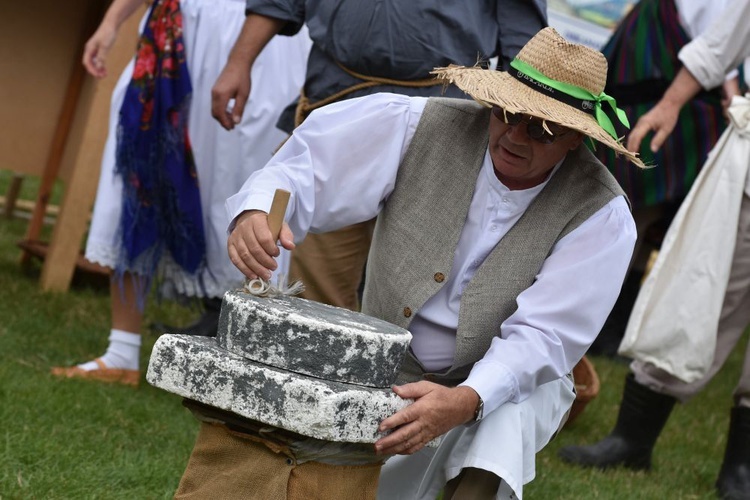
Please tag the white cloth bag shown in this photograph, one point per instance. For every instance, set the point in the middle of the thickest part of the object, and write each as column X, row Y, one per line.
column 674, row 320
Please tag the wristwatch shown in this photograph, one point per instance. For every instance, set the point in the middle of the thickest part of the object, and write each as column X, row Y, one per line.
column 479, row 410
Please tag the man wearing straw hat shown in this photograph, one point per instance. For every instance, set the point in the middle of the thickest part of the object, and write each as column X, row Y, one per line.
column 501, row 244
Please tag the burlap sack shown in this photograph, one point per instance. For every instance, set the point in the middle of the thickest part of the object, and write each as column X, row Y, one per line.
column 226, row 465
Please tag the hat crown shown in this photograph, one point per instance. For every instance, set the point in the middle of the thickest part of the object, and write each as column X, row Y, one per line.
column 558, row 59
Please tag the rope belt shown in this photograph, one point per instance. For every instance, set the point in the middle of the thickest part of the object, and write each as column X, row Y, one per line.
column 305, row 107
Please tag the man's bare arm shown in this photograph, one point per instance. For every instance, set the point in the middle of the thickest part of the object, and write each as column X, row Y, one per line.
column 234, row 80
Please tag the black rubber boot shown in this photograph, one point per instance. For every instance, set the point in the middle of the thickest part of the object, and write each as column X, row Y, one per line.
column 642, row 416
column 207, row 325
column 734, row 477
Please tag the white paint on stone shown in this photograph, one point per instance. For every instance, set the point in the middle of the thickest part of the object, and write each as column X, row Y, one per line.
column 197, row 368
column 312, row 338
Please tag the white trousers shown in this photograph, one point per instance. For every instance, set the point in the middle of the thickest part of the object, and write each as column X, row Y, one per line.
column 505, row 443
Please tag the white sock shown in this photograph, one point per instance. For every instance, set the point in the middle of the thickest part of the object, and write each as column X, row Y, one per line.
column 123, row 352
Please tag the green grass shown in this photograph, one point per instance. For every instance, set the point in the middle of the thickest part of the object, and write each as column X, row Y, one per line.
column 687, row 456
column 77, row 439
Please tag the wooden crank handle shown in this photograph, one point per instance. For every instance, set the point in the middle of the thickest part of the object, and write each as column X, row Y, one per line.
column 278, row 209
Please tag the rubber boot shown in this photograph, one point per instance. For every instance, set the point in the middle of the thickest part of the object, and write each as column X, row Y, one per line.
column 734, row 477
column 642, row 416
column 207, row 325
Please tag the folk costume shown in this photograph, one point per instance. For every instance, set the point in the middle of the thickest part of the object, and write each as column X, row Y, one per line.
column 479, row 273
column 176, row 228
column 362, row 47
column 642, row 57
column 663, row 372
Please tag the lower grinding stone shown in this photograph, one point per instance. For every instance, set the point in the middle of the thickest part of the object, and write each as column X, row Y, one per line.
column 197, row 368
column 312, row 338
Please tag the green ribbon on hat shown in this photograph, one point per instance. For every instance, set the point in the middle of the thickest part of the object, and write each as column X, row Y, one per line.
column 548, row 87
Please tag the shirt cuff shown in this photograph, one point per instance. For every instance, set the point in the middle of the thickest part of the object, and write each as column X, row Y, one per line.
column 247, row 200
column 702, row 63
column 494, row 383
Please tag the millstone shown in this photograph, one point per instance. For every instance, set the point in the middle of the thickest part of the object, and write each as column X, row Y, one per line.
column 311, row 338
column 198, row 368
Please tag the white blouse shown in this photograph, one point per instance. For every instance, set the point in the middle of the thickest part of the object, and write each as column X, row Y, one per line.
column 340, row 167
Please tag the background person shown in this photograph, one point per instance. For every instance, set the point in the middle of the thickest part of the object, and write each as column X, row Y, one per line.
column 174, row 223
column 642, row 57
column 650, row 392
column 359, row 48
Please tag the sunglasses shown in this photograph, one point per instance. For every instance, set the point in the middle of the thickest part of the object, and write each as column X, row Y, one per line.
column 534, row 127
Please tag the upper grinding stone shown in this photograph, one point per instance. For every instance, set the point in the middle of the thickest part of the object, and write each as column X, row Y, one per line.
column 311, row 338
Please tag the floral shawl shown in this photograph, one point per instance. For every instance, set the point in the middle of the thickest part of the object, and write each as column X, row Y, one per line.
column 161, row 203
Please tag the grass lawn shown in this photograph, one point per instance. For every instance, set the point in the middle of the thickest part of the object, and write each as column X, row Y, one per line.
column 77, row 439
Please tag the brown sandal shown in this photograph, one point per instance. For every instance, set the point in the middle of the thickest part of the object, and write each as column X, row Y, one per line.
column 102, row 374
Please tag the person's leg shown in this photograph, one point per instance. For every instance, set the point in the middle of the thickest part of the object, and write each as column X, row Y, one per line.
column 472, row 483
column 734, row 477
column 650, row 392
column 120, row 363
column 126, row 313
column 503, row 446
column 643, row 413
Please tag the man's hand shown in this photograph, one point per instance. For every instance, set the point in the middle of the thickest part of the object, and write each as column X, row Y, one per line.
column 661, row 120
column 663, row 117
column 435, row 411
column 251, row 246
column 233, row 83
column 234, row 80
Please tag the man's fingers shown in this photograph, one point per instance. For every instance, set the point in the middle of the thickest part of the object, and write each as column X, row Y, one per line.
column 220, row 113
column 219, row 101
column 239, row 263
column 264, row 247
column 239, row 106
column 286, row 237
column 251, row 246
column 659, row 137
column 407, row 439
column 414, row 390
column 397, row 419
column 636, row 136
column 92, row 60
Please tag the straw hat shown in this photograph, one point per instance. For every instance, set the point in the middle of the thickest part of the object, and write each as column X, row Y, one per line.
column 551, row 79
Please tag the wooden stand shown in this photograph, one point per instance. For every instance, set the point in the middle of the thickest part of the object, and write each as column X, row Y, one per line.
column 56, row 118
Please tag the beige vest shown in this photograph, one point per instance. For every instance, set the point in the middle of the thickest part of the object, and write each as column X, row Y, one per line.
column 418, row 230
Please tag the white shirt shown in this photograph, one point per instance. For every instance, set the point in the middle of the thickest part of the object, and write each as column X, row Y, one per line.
column 721, row 46
column 696, row 15
column 340, row 167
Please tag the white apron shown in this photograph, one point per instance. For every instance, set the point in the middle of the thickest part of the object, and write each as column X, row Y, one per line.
column 224, row 159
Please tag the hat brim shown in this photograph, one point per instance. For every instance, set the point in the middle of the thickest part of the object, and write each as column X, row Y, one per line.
column 499, row 88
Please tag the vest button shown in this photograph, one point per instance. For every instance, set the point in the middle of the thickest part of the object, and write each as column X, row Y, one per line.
column 407, row 312
column 439, row 277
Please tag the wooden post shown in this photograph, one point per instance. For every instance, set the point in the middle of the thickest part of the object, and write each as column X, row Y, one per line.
column 11, row 197
column 62, row 130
